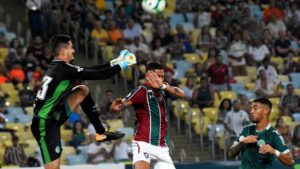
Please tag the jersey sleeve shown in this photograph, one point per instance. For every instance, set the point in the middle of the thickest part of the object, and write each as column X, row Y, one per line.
column 77, row 72
column 137, row 96
column 279, row 143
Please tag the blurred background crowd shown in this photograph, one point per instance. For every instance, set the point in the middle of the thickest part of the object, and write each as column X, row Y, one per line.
column 222, row 53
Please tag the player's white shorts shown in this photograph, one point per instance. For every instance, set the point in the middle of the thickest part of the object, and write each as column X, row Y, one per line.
column 158, row 156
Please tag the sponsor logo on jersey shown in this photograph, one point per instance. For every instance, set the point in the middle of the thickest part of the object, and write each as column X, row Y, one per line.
column 57, row 149
column 79, row 69
column 280, row 137
column 146, row 155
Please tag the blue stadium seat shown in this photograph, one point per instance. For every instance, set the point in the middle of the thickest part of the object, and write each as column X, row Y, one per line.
column 10, row 36
column 176, row 19
column 181, row 67
column 15, row 110
column 237, row 87
column 76, row 159
column 82, row 150
column 296, row 117
column 250, row 94
column 295, row 77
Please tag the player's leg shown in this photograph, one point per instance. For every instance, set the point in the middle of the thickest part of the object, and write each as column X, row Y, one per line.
column 47, row 134
column 141, row 158
column 164, row 160
column 81, row 96
column 53, row 165
column 141, row 165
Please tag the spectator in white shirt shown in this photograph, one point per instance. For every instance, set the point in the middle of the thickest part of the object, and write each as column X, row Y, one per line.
column 132, row 30
column 202, row 17
column 137, row 45
column 235, row 119
column 269, row 69
column 120, row 150
column 275, row 25
column 258, row 51
column 267, row 86
column 99, row 152
column 237, row 51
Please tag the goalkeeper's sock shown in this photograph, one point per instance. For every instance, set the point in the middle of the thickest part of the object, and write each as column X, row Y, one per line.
column 89, row 108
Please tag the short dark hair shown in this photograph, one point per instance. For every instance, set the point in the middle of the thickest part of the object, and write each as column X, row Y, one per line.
column 264, row 101
column 57, row 42
column 154, row 66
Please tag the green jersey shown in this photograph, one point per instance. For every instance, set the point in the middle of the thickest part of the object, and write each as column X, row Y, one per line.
column 251, row 158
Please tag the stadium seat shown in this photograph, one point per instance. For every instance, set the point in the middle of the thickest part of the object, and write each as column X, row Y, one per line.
column 219, row 131
column 176, row 18
column 228, row 94
column 242, row 79
column 251, row 71
column 29, row 110
column 275, row 113
column 287, row 120
column 192, row 57
column 296, row 117
column 201, row 124
column 237, row 87
column 5, row 136
column 250, row 86
column 129, row 132
column 297, row 91
column 194, row 36
column 211, row 113
column 83, row 150
column 66, row 151
column 295, row 77
column 278, row 61
column 283, row 78
column 182, row 80
column 65, row 135
column 108, row 52
column 181, row 67
column 76, row 159
column 192, row 115
column 115, row 124
column 275, row 101
column 249, row 94
column 18, row 127
column 182, row 108
column 15, row 110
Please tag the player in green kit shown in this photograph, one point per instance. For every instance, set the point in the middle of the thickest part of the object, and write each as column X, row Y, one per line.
column 259, row 142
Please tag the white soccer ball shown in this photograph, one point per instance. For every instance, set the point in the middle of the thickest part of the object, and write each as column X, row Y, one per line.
column 154, row 6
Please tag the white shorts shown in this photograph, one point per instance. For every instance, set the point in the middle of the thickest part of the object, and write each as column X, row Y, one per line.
column 158, row 157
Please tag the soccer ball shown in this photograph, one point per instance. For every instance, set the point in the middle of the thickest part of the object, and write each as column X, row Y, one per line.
column 154, row 6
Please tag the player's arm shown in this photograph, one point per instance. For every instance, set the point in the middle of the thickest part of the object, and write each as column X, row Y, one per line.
column 120, row 104
column 279, row 149
column 237, row 146
column 173, row 90
column 99, row 67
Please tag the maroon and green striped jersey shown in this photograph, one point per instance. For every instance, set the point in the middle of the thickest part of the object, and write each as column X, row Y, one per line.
column 151, row 115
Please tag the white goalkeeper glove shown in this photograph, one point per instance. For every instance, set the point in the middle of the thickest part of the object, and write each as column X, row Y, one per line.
column 125, row 59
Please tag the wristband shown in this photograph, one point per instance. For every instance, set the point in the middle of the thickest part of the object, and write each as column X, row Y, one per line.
column 241, row 138
column 163, row 87
column 277, row 153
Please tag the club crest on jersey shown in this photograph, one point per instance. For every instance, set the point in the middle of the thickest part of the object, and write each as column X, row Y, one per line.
column 146, row 155
column 79, row 69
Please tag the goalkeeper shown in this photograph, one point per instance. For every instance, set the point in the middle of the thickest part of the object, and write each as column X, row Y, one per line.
column 58, row 96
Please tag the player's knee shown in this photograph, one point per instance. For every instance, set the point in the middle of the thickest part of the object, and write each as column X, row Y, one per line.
column 83, row 90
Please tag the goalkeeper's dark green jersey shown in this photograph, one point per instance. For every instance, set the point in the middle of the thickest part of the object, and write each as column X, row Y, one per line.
column 251, row 158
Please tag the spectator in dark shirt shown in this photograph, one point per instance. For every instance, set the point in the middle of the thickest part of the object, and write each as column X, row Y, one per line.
column 15, row 155
column 218, row 73
column 282, row 45
column 290, row 100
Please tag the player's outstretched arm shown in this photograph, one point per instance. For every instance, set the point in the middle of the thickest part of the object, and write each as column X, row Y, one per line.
column 236, row 148
column 173, row 90
column 120, row 104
